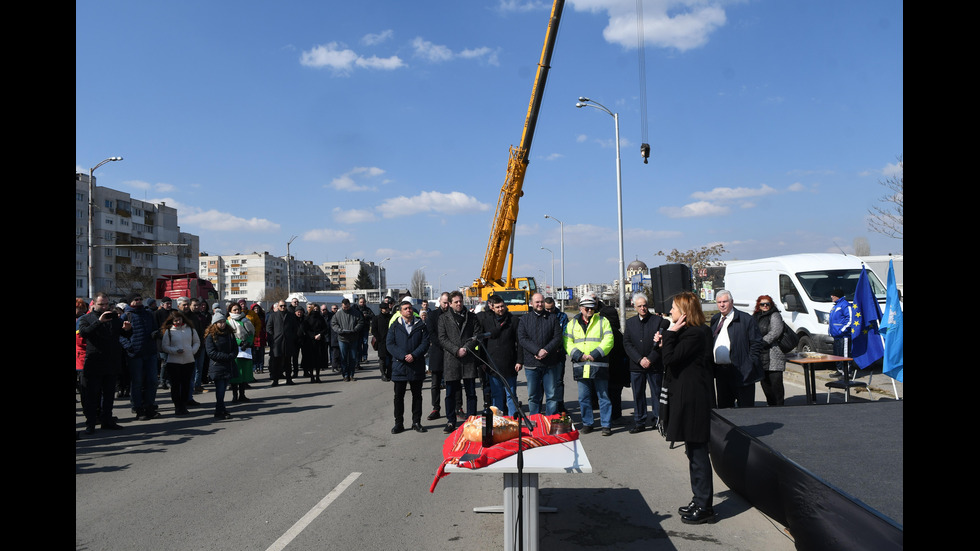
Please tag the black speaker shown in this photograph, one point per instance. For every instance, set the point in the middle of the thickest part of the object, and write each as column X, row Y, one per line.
column 666, row 281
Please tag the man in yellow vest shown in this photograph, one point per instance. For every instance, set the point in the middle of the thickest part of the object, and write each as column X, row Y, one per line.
column 588, row 341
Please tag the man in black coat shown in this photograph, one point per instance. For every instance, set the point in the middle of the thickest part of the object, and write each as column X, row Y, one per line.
column 501, row 351
column 101, row 329
column 737, row 345
column 645, row 363
column 379, row 330
column 282, row 328
column 436, row 359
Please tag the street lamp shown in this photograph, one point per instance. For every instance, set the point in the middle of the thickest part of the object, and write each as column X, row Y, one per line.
column 91, row 224
column 561, row 228
column 379, row 276
column 586, row 102
column 289, row 263
column 552, row 267
column 440, row 282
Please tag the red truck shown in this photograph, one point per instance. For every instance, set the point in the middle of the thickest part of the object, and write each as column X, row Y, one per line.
column 186, row 285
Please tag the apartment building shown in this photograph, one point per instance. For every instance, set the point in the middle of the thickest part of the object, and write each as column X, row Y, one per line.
column 343, row 273
column 254, row 276
column 133, row 242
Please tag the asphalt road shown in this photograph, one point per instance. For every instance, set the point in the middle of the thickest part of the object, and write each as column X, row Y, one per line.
column 315, row 466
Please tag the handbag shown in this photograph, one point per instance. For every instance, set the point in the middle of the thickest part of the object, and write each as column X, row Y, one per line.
column 789, row 340
column 590, row 370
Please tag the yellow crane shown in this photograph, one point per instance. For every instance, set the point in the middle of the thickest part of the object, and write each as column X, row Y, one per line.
column 516, row 292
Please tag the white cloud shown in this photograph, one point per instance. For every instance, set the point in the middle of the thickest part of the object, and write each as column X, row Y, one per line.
column 431, row 201
column 351, row 180
column 437, row 53
column 678, row 24
column 377, row 38
column 733, row 194
column 353, row 216
column 343, row 60
column 215, row 220
column 326, row 235
column 147, row 186
column 696, row 209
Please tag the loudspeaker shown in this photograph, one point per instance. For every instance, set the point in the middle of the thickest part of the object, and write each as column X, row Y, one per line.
column 666, row 281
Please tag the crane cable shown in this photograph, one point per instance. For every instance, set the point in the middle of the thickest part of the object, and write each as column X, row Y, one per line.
column 641, row 54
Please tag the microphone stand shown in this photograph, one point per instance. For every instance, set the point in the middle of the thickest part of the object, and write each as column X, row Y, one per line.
column 521, row 417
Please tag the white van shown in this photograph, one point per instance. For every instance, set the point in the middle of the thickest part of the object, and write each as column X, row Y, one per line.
column 801, row 285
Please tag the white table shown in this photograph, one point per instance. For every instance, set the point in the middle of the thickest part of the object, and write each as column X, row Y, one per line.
column 568, row 457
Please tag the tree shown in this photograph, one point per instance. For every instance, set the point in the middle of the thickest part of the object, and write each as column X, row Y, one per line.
column 696, row 259
column 363, row 280
column 887, row 217
column 417, row 286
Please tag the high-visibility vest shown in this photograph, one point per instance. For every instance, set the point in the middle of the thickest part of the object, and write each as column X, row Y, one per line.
column 597, row 336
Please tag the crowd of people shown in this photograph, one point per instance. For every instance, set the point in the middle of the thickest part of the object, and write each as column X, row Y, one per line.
column 678, row 366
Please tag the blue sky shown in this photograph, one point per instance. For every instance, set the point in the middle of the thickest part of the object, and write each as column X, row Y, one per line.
column 381, row 129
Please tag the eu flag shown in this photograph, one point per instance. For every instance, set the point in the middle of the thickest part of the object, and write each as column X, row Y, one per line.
column 891, row 327
column 867, row 347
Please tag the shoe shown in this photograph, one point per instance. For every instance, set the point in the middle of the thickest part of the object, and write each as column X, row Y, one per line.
column 244, row 398
column 111, row 426
column 449, row 428
column 275, row 383
column 606, row 431
column 397, row 429
column 638, row 428
column 192, row 403
column 289, row 382
column 687, row 509
column 222, row 415
column 586, row 429
column 699, row 515
column 181, row 411
column 417, row 427
column 836, row 375
column 434, row 415
column 89, row 429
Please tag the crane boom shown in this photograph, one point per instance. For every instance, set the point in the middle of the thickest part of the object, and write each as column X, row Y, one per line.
column 500, row 248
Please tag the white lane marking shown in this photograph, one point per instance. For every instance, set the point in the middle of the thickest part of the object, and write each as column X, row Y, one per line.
column 302, row 523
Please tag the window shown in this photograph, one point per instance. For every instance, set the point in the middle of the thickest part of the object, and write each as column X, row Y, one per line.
column 108, row 204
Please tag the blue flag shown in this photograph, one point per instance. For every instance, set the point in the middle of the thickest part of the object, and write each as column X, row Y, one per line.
column 891, row 328
column 867, row 347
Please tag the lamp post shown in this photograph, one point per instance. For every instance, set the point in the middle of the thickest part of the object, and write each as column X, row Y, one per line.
column 440, row 282
column 91, row 225
column 379, row 276
column 289, row 267
column 552, row 267
column 586, row 102
column 562, row 254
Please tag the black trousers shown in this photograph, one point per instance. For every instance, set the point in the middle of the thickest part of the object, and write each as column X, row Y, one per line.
column 180, row 382
column 772, row 387
column 279, row 368
column 416, row 387
column 730, row 391
column 702, row 484
column 98, row 397
column 436, row 390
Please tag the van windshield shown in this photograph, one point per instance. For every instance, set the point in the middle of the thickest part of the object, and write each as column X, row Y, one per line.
column 819, row 284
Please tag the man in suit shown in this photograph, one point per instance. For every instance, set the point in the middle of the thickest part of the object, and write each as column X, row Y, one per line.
column 737, row 345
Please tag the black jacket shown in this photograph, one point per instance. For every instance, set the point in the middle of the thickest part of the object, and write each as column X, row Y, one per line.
column 746, row 344
column 537, row 331
column 638, row 341
column 501, row 346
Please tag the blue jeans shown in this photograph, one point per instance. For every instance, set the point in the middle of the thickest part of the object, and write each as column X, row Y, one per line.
column 500, row 396
column 542, row 380
column 220, row 387
column 639, row 380
column 143, row 381
column 348, row 358
column 196, row 378
column 599, row 387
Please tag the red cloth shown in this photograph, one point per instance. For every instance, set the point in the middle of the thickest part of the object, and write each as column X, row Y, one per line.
column 459, row 451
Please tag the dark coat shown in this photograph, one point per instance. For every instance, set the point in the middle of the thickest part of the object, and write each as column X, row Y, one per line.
column 142, row 340
column 501, row 346
column 379, row 329
column 400, row 343
column 436, row 359
column 282, row 329
column 103, row 350
column 689, row 379
column 638, row 342
column 222, row 349
column 537, row 331
column 452, row 337
column 746, row 343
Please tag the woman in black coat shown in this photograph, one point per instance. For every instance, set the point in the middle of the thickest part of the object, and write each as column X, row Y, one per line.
column 222, row 349
column 315, row 332
column 687, row 356
column 619, row 371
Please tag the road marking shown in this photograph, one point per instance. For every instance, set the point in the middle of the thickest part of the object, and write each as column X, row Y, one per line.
column 302, row 523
